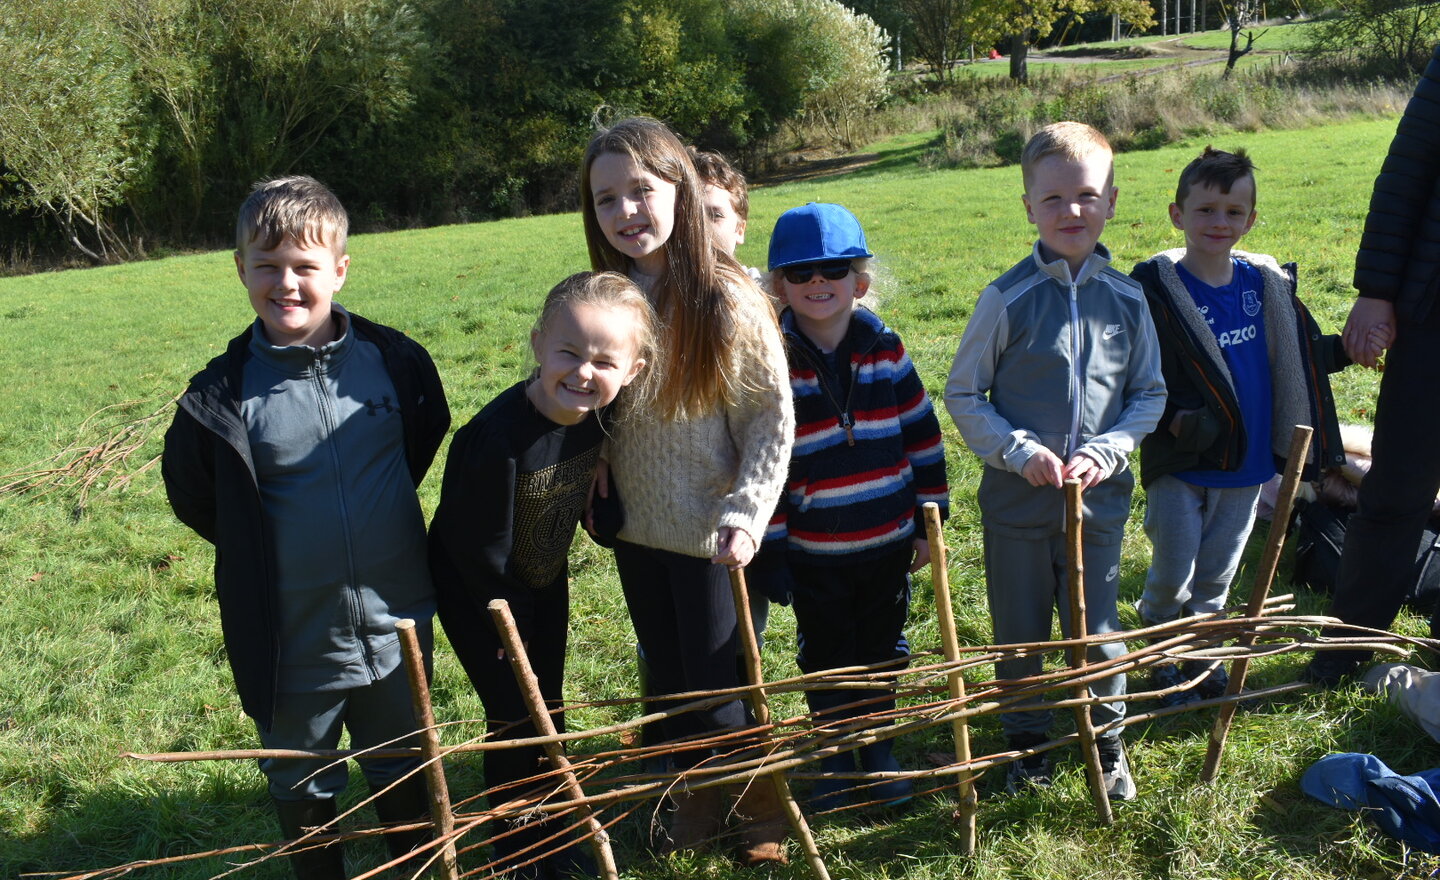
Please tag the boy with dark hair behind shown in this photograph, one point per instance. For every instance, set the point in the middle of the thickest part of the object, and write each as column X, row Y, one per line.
column 297, row 453
column 1058, row 377
column 1244, row 363
column 727, row 198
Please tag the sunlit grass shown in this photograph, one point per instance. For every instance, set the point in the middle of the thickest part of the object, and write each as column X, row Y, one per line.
column 112, row 638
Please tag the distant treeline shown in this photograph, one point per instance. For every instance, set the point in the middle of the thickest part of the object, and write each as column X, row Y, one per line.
column 135, row 124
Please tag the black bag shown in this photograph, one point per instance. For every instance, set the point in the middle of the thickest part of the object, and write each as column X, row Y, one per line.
column 1319, row 531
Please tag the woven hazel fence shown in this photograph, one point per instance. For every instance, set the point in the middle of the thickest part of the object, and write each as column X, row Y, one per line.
column 612, row 786
column 586, row 791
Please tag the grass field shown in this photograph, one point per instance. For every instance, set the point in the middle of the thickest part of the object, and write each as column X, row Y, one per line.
column 111, row 638
column 1165, row 51
column 1277, row 38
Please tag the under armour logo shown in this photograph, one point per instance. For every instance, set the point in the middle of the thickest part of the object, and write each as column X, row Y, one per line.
column 374, row 408
column 1111, row 331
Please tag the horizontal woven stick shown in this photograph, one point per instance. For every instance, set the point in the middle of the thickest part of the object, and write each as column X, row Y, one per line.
column 1375, row 640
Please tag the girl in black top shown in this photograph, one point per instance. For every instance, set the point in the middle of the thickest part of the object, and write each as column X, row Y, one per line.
column 515, row 487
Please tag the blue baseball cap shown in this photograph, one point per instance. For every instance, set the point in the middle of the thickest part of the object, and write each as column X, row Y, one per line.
column 814, row 233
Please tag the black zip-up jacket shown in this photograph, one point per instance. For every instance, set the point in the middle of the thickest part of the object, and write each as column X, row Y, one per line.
column 210, row 481
column 1197, row 379
column 1399, row 256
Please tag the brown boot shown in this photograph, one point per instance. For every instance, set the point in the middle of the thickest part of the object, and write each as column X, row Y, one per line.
column 762, row 836
column 698, row 818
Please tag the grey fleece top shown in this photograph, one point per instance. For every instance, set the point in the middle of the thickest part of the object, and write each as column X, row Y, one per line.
column 1071, row 364
column 340, row 508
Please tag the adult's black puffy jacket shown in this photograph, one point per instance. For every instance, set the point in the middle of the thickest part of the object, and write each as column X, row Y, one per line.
column 1399, row 257
column 210, row 481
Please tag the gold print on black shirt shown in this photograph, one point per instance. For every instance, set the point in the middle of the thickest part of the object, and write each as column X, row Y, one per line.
column 548, row 504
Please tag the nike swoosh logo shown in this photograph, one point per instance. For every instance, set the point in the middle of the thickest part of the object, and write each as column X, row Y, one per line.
column 1112, row 331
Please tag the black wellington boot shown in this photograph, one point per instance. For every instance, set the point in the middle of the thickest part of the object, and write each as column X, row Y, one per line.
column 829, row 707
column 296, row 819
column 404, row 803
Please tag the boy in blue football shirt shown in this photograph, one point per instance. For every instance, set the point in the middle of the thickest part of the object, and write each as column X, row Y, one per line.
column 1244, row 363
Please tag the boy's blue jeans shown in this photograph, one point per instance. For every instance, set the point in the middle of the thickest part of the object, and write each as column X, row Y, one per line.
column 1198, row 535
column 1026, row 580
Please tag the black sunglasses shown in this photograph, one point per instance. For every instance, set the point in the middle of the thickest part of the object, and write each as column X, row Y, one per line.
column 830, row 270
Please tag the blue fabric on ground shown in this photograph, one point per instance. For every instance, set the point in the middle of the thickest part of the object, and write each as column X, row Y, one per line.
column 1404, row 807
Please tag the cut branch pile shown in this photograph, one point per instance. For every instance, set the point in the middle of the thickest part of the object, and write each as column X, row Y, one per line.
column 100, row 458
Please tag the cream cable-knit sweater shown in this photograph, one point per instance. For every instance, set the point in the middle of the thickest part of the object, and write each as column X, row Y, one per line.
column 681, row 481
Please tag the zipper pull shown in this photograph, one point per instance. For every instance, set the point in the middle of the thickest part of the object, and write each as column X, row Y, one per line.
column 845, row 423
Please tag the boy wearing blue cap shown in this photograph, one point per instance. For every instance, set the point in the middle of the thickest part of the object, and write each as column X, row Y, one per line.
column 867, row 455
column 1058, row 377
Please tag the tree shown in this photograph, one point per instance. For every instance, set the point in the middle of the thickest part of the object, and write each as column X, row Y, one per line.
column 337, row 58
column 938, row 31
column 812, row 59
column 1026, row 21
column 1237, row 15
column 170, row 45
column 1396, row 35
column 70, row 143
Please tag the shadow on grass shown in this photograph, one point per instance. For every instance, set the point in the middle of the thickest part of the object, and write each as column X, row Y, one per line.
column 112, row 827
column 855, row 165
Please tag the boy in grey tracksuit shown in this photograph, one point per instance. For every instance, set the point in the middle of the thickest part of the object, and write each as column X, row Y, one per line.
column 297, row 453
column 1057, row 377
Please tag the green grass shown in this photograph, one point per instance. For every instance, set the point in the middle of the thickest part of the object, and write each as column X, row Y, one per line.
column 1268, row 38
column 1041, row 67
column 1278, row 38
column 112, row 639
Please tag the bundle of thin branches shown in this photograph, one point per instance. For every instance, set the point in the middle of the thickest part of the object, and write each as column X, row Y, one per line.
column 98, row 460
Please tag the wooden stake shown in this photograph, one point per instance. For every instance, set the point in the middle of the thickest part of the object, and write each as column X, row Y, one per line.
column 540, row 717
column 440, row 812
column 1074, row 547
column 960, row 727
column 1264, row 577
column 751, row 648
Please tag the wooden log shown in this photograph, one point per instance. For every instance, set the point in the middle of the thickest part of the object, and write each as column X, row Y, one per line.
column 540, row 717
column 960, row 727
column 440, row 812
column 1074, row 551
column 1264, row 577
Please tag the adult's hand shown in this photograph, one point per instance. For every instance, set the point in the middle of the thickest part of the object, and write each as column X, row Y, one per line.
column 1369, row 330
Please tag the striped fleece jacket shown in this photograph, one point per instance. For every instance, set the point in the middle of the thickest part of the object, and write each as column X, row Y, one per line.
column 867, row 449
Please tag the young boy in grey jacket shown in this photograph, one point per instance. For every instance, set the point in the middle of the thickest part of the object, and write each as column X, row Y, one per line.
column 1058, row 377
column 297, row 453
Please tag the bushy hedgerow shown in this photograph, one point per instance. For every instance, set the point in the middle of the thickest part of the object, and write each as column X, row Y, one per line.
column 414, row 111
column 991, row 119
